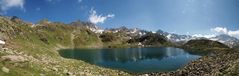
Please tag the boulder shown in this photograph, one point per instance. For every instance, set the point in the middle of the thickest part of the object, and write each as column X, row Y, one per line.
column 54, row 69
column 70, row 74
column 13, row 58
column 2, row 42
column 42, row 75
column 4, row 69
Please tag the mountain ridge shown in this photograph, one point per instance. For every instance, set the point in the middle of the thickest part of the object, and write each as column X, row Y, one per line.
column 172, row 37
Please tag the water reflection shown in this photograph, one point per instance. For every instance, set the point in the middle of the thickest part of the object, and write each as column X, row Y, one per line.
column 134, row 59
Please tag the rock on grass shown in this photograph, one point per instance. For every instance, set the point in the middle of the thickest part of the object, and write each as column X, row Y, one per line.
column 6, row 70
column 13, row 58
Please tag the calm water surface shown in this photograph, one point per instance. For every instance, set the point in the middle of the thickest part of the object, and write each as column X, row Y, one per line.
column 134, row 60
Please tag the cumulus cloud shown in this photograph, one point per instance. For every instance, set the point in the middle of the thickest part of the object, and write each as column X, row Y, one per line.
column 94, row 18
column 7, row 4
column 226, row 31
column 220, row 30
column 234, row 33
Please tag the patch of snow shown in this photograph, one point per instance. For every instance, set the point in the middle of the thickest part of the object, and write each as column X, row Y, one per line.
column 169, row 36
column 153, row 32
column 115, row 31
column 97, row 30
column 139, row 44
column 2, row 42
column 144, row 33
column 134, row 30
column 205, row 36
column 213, row 39
column 33, row 25
column 140, row 33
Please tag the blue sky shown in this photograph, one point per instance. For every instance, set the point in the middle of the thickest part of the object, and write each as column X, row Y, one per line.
column 205, row 17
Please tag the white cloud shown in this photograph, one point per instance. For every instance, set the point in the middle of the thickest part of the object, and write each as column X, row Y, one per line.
column 94, row 18
column 226, row 31
column 234, row 33
column 7, row 4
column 220, row 30
column 205, row 36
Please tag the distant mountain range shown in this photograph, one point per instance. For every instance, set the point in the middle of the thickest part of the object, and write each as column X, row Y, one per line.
column 227, row 40
column 137, row 33
column 175, row 38
column 223, row 38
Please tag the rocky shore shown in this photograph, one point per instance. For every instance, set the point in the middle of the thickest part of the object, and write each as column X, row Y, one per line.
column 219, row 63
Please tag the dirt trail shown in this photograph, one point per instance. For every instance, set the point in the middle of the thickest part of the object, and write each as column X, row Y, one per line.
column 72, row 39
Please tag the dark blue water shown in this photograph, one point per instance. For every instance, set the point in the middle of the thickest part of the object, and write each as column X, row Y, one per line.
column 134, row 60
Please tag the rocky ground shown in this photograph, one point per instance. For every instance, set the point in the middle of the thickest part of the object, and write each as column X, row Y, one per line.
column 216, row 64
column 17, row 63
column 219, row 63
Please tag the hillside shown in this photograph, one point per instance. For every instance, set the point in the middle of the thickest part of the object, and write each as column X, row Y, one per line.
column 32, row 49
column 150, row 39
column 29, row 47
column 220, row 63
column 204, row 44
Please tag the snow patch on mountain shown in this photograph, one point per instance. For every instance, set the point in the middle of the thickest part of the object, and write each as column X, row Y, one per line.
column 95, row 29
column 169, row 36
column 204, row 36
column 226, row 39
column 128, row 31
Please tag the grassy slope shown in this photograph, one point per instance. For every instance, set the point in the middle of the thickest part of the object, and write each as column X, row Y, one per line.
column 39, row 46
column 204, row 45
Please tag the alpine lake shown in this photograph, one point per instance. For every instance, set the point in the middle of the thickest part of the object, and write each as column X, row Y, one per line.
column 135, row 60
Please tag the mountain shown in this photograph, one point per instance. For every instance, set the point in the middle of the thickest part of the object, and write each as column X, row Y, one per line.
column 150, row 38
column 227, row 40
column 37, row 45
column 175, row 38
column 204, row 44
column 130, row 32
column 131, row 37
column 87, row 25
column 230, row 41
